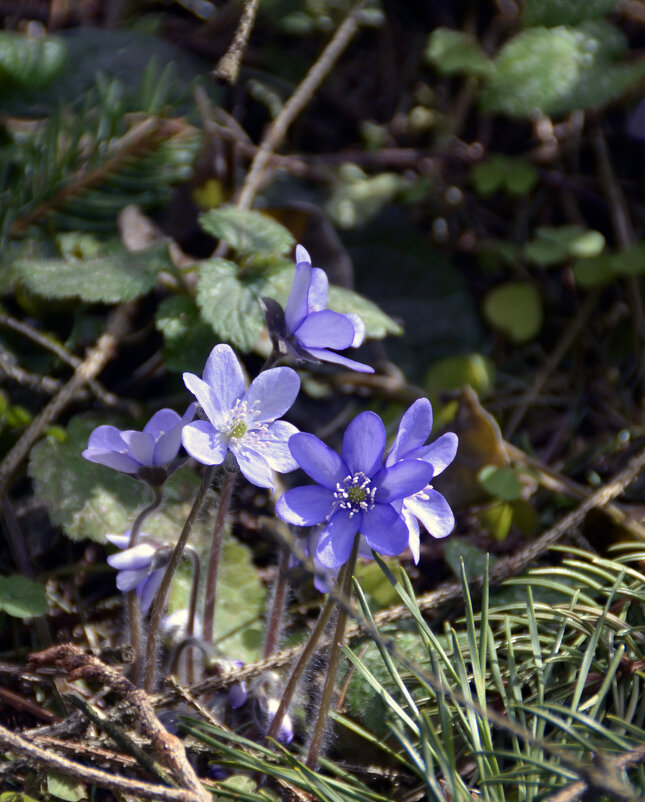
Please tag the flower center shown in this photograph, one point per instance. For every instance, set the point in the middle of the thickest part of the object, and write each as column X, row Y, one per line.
column 355, row 493
column 238, row 428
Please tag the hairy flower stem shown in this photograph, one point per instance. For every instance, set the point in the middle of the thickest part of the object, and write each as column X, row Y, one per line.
column 345, row 585
column 277, row 606
column 134, row 608
column 303, row 661
column 160, row 599
column 225, row 496
column 192, row 609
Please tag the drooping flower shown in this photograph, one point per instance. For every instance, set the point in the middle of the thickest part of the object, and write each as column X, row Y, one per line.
column 244, row 422
column 149, row 455
column 354, row 492
column 305, row 330
column 141, row 567
column 426, row 505
column 267, row 693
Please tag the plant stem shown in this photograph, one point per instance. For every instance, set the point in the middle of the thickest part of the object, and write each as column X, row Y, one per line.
column 192, row 608
column 345, row 584
column 134, row 608
column 225, row 496
column 160, row 599
column 277, row 606
column 303, row 660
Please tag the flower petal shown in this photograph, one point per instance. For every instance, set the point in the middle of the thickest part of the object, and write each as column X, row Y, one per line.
column 276, row 446
column 206, row 397
column 120, row 541
column 337, row 539
column 317, row 460
column 325, row 329
column 363, row 444
column 302, row 255
column 305, row 506
column 161, row 422
column 359, row 328
column 147, row 590
column 253, row 465
column 106, row 438
column 440, row 453
column 318, row 290
column 224, row 375
column 140, row 556
column 434, row 513
column 140, row 445
column 204, row 442
column 323, row 355
column 401, row 480
column 128, row 580
column 414, row 430
column 112, row 459
column 296, row 309
column 385, row 530
column 414, row 543
column 272, row 393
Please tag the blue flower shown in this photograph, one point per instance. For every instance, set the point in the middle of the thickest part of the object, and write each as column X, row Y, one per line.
column 426, row 505
column 141, row 567
column 354, row 493
column 305, row 330
column 149, row 454
column 242, row 421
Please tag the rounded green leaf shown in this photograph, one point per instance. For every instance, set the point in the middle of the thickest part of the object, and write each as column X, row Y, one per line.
column 515, row 308
column 453, row 52
column 455, row 372
column 21, row 597
column 502, row 483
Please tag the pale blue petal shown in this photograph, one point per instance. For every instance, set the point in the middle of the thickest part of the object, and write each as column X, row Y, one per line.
column 305, row 506
column 272, row 393
column 359, row 328
column 275, row 448
column 296, row 308
column 318, row 460
column 121, row 541
column 434, row 513
column 237, row 695
column 318, row 290
column 414, row 543
column 140, row 445
column 440, row 453
column 128, row 580
column 325, row 329
column 111, row 459
column 140, row 556
column 401, row 480
column 224, row 375
column 147, row 590
column 363, row 444
column 414, row 430
column 385, row 530
column 253, row 465
column 161, row 423
column 302, row 255
column 204, row 443
column 337, row 539
column 106, row 438
column 206, row 397
column 323, row 355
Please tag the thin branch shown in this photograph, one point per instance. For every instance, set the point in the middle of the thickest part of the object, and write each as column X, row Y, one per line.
column 88, row 369
column 276, row 132
column 229, row 65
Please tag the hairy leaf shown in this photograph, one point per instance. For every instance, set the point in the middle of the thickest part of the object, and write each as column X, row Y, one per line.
column 187, row 338
column 248, row 232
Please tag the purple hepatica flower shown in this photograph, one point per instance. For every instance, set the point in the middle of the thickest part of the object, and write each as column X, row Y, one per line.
column 240, row 420
column 426, row 505
column 149, row 455
column 141, row 567
column 305, row 329
column 354, row 492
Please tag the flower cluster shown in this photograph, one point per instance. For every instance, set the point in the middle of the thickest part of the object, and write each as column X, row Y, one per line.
column 360, row 493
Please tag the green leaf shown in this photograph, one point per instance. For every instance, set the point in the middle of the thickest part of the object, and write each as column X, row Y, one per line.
column 16, row 796
column 500, row 482
column 610, row 266
column 30, row 63
column 358, row 197
column 66, row 788
column 474, row 559
column 553, row 245
column 377, row 323
column 455, row 372
column 21, row 597
column 516, row 309
column 558, row 70
column 248, row 232
column 496, row 518
column 515, row 176
column 89, row 500
column 453, row 52
column 564, row 12
column 187, row 338
column 115, row 276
